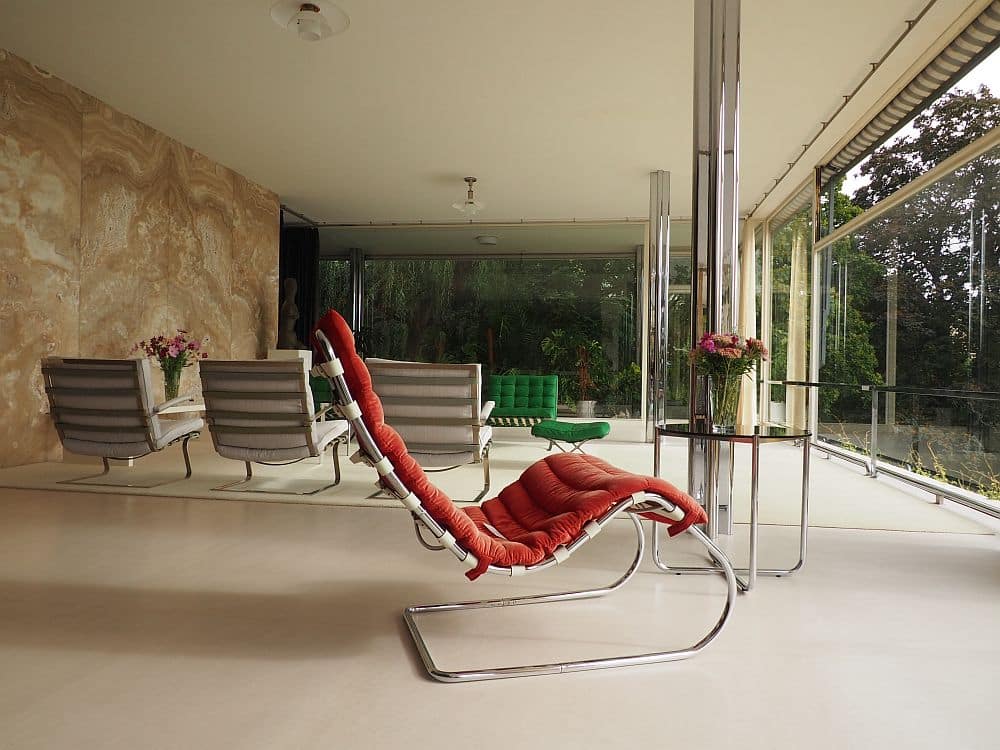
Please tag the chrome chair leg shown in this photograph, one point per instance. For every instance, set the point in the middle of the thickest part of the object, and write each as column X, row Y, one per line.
column 235, row 485
column 486, row 475
column 106, row 461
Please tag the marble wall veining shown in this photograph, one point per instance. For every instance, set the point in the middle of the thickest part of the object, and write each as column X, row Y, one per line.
column 111, row 232
column 40, row 118
column 254, row 309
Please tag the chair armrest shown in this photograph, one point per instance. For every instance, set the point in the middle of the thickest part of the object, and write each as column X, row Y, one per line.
column 487, row 409
column 322, row 412
column 173, row 402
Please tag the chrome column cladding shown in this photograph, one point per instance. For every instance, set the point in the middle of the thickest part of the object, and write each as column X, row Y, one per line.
column 357, row 289
column 658, row 274
column 714, row 237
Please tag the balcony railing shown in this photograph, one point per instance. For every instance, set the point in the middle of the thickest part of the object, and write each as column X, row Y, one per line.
column 946, row 441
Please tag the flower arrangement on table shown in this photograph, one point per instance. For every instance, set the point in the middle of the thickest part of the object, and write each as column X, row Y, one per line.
column 726, row 358
column 174, row 353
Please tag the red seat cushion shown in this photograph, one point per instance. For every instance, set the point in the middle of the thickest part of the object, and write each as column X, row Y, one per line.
column 547, row 506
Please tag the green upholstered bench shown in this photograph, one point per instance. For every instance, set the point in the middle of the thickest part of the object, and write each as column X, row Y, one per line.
column 575, row 433
column 523, row 400
column 321, row 391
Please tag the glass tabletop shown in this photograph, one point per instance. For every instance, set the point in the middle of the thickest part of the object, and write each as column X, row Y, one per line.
column 742, row 432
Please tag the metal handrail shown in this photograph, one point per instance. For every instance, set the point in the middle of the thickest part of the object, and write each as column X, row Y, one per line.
column 906, row 389
column 871, row 465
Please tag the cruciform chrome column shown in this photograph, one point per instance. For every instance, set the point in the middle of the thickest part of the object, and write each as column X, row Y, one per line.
column 657, row 266
column 714, row 218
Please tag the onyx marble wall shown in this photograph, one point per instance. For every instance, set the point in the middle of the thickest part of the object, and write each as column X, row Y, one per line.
column 40, row 118
column 111, row 232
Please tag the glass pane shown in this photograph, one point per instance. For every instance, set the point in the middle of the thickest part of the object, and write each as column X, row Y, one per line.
column 791, row 250
column 967, row 111
column 952, row 440
column 335, row 286
column 575, row 317
column 678, row 336
column 911, row 300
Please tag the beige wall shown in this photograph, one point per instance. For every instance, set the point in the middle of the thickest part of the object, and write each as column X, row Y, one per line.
column 111, row 232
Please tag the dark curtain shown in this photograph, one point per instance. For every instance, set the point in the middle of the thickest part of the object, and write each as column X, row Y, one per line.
column 299, row 259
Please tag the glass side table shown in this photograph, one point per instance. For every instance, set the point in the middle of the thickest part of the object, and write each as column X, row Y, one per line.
column 754, row 438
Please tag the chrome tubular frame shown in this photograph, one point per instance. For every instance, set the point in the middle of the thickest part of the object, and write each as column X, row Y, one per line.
column 443, row 539
column 107, row 468
column 496, row 673
column 235, row 485
column 751, row 572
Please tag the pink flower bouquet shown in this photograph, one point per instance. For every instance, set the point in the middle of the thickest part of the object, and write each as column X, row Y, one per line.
column 173, row 354
column 726, row 358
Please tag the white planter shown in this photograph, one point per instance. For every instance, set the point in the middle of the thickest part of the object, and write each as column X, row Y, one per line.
column 585, row 409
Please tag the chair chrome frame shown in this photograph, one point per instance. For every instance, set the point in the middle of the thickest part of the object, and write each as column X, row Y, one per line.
column 334, row 445
column 83, row 481
column 577, row 445
column 298, row 423
column 67, row 419
column 381, row 371
column 639, row 503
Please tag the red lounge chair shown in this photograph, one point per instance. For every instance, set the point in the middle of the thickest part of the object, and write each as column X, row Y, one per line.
column 558, row 504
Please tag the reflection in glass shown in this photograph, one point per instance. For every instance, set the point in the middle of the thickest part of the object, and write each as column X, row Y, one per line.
column 911, row 300
column 518, row 315
column 791, row 249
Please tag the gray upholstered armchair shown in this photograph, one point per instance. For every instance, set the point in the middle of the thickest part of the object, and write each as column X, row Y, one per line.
column 262, row 412
column 436, row 409
column 106, row 408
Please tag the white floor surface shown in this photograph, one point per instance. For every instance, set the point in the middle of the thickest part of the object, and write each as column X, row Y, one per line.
column 150, row 622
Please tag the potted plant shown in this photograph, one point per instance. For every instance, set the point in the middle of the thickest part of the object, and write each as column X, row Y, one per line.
column 628, row 388
column 577, row 352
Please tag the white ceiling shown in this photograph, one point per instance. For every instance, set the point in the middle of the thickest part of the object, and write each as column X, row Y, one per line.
column 511, row 239
column 560, row 108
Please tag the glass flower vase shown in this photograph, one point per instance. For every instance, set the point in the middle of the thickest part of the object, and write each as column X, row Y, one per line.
column 725, row 394
column 171, row 379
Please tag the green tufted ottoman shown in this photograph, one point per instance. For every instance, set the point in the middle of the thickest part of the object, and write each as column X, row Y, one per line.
column 575, row 433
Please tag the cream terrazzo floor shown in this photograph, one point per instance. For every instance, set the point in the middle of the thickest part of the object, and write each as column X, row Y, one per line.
column 161, row 623
column 841, row 496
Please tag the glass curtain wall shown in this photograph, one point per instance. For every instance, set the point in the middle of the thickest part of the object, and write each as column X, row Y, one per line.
column 912, row 301
column 965, row 112
column 335, row 286
column 678, row 335
column 572, row 316
column 791, row 254
column 907, row 304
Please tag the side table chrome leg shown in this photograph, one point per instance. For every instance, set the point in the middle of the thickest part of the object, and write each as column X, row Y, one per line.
column 752, row 571
column 754, row 495
column 656, row 453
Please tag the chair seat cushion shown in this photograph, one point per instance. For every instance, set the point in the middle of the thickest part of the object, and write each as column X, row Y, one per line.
column 547, row 506
column 555, row 498
column 178, row 428
column 570, row 432
column 526, row 411
column 325, row 433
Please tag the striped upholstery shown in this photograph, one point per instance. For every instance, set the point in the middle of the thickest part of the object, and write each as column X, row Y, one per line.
column 263, row 410
column 105, row 407
column 435, row 408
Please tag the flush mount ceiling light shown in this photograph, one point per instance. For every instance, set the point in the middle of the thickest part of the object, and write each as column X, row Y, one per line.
column 470, row 206
column 310, row 21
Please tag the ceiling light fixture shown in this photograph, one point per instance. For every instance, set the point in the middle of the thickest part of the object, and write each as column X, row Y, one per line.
column 311, row 21
column 470, row 206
